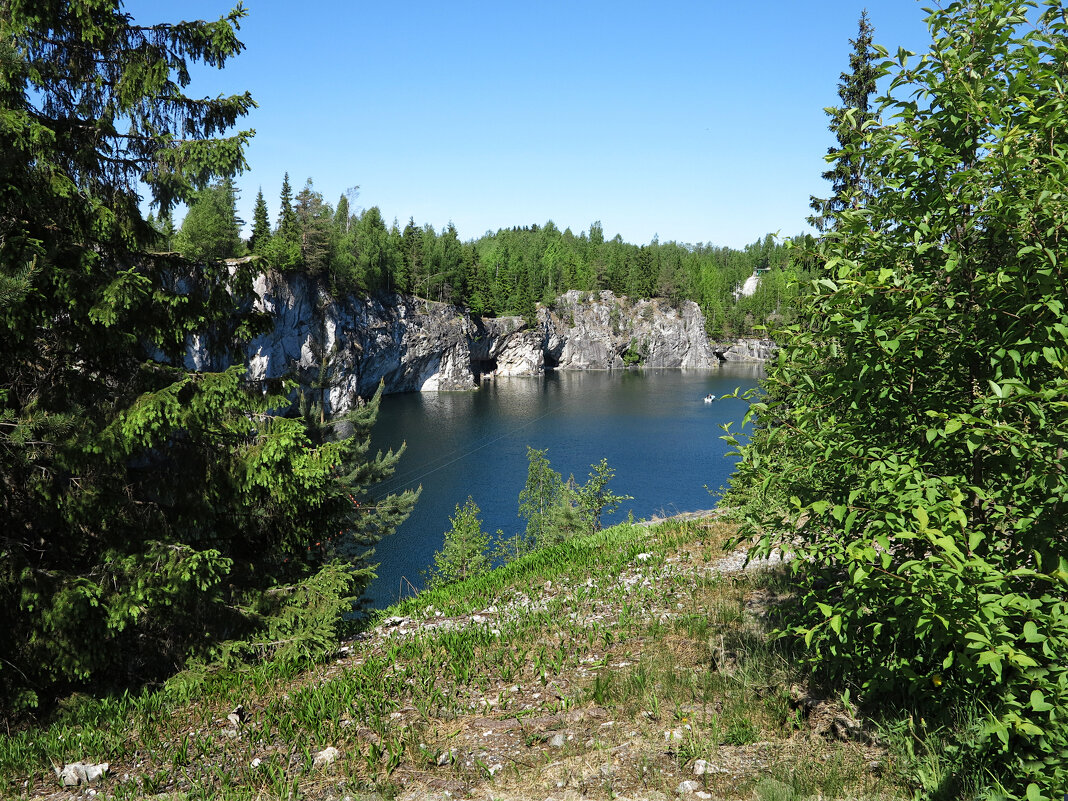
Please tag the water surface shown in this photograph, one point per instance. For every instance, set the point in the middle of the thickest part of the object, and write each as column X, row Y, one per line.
column 653, row 426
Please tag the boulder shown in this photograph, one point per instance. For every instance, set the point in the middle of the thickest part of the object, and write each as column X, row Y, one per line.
column 79, row 773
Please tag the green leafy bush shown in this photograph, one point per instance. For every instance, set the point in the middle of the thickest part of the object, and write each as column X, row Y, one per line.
column 917, row 417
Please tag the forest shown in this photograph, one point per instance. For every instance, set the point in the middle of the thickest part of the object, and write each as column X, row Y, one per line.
column 504, row 273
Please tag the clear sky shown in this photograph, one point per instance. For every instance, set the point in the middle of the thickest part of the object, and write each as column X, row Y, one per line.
column 693, row 121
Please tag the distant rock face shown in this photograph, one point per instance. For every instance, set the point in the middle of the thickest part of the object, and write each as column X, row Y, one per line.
column 593, row 331
column 414, row 345
column 745, row 350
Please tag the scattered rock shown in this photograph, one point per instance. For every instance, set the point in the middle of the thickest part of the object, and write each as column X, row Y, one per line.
column 702, row 766
column 326, row 757
column 79, row 773
column 688, row 786
column 829, row 719
column 237, row 716
column 558, row 740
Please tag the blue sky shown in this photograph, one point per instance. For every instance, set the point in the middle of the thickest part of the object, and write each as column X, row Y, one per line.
column 693, row 121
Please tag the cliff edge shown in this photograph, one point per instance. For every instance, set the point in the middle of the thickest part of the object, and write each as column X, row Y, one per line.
column 415, row 345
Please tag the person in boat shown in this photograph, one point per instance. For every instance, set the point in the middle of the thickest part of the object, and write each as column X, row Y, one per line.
column 709, row 397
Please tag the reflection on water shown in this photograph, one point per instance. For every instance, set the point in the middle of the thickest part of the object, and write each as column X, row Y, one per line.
column 652, row 425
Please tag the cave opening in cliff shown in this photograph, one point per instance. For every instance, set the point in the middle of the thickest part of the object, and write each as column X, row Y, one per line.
column 481, row 367
column 550, row 362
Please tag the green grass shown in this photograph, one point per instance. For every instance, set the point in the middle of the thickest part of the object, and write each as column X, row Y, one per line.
column 583, row 638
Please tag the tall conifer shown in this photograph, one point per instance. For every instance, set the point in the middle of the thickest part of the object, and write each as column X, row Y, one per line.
column 261, row 226
column 847, row 173
column 284, row 250
column 148, row 511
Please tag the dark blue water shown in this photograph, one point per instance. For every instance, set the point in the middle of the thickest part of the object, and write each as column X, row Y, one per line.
column 652, row 425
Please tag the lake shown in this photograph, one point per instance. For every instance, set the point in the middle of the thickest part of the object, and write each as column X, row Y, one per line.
column 653, row 426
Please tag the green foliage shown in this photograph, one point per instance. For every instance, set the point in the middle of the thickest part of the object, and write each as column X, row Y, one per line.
column 365, row 518
column 297, row 621
column 542, row 493
column 150, row 513
column 464, row 554
column 315, row 224
column 261, row 226
column 512, row 270
column 284, row 248
column 211, row 229
column 594, row 498
column 916, row 423
column 555, row 510
column 848, row 172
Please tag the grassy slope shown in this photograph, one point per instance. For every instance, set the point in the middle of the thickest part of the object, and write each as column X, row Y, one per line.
column 606, row 667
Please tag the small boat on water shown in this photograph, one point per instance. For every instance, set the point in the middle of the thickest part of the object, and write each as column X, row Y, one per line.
column 709, row 397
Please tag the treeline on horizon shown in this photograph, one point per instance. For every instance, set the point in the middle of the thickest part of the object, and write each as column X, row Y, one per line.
column 504, row 273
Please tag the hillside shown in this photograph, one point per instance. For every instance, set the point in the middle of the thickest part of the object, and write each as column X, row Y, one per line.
column 630, row 664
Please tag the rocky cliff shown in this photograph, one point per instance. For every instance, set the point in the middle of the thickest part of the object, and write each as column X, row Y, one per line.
column 597, row 331
column 745, row 350
column 417, row 345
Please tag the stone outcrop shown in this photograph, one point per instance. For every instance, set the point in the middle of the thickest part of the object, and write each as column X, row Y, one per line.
column 745, row 350
column 415, row 345
column 412, row 345
column 595, row 330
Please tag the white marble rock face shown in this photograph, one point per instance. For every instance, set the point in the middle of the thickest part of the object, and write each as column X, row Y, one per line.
column 416, row 345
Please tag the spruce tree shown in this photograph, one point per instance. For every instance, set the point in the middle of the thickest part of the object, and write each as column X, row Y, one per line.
column 284, row 248
column 287, row 218
column 211, row 229
column 315, row 221
column 847, row 173
column 261, row 226
column 341, row 216
column 366, row 517
column 148, row 511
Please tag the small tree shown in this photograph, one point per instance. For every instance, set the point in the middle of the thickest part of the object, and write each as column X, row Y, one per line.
column 261, row 226
column 595, row 499
column 464, row 554
column 211, row 229
column 557, row 510
column 283, row 250
column 542, row 493
column 315, row 220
